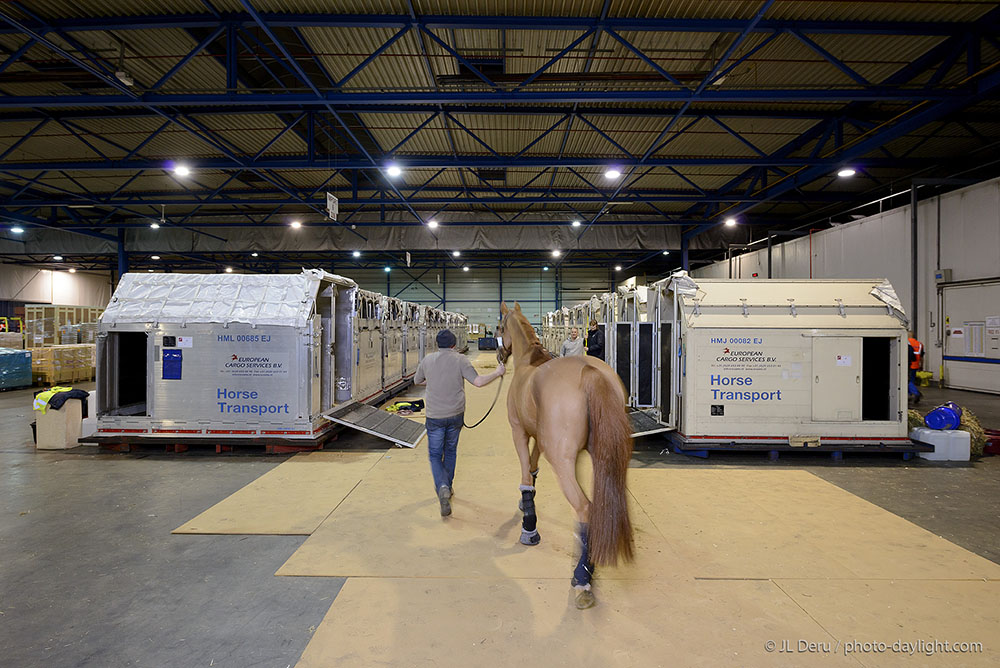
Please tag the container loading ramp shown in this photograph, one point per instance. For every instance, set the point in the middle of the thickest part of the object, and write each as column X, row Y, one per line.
column 644, row 423
column 384, row 425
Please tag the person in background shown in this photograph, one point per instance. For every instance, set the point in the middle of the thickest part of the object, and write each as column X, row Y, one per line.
column 444, row 373
column 916, row 358
column 595, row 341
column 573, row 345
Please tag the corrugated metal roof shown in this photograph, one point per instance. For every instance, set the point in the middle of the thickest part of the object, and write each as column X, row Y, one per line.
column 913, row 10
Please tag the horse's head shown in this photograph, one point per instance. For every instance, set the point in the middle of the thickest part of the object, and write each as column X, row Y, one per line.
column 505, row 340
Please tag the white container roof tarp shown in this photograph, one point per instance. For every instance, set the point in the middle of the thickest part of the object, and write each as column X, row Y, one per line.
column 256, row 299
column 868, row 304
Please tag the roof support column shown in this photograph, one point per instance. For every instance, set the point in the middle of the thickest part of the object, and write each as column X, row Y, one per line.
column 122, row 255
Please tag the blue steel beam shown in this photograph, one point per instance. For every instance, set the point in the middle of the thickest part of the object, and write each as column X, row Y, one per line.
column 188, row 198
column 822, row 132
column 374, row 54
column 872, row 115
column 391, row 98
column 14, row 57
column 188, row 21
column 186, row 59
column 830, row 58
column 232, row 161
column 28, row 135
column 556, row 58
column 913, row 119
column 542, row 136
column 114, row 83
column 735, row 44
column 644, row 58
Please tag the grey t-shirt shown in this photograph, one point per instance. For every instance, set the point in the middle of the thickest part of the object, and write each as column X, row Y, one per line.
column 444, row 372
column 571, row 347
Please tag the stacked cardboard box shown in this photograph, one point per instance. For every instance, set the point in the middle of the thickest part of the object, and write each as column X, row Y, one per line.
column 12, row 340
column 63, row 364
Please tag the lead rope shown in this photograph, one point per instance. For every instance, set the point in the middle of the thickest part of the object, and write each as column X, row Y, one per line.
column 499, row 387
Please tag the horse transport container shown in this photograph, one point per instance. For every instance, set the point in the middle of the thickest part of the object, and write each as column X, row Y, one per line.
column 761, row 364
column 275, row 359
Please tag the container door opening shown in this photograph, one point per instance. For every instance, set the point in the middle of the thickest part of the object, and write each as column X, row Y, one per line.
column 324, row 307
column 877, row 378
column 124, row 370
column 666, row 374
column 646, row 376
column 623, row 354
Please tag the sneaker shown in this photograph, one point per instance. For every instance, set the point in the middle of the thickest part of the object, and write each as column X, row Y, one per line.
column 444, row 496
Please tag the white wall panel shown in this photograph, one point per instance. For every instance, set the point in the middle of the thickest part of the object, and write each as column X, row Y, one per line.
column 533, row 289
column 577, row 285
column 41, row 286
column 476, row 293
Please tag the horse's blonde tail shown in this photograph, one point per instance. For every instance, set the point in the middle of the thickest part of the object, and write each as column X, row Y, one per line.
column 610, row 445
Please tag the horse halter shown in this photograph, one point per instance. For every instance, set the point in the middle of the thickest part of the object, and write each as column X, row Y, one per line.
column 504, row 349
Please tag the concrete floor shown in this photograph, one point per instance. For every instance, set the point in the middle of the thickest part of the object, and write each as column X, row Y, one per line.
column 91, row 576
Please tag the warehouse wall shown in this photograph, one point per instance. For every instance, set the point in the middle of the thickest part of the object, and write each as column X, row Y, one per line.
column 478, row 292
column 41, row 286
column 879, row 247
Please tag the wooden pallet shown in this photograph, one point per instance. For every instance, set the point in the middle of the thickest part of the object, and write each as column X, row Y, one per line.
column 251, row 446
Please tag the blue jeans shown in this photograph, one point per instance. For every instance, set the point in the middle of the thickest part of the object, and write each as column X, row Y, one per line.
column 442, row 447
column 912, row 387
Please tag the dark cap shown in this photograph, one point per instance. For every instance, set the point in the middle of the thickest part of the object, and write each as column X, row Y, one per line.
column 445, row 339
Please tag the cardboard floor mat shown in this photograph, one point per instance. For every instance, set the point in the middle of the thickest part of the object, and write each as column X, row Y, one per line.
column 771, row 524
column 391, row 526
column 942, row 622
column 291, row 499
column 532, row 622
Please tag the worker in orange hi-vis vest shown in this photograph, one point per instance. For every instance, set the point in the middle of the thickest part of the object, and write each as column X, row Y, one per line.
column 916, row 357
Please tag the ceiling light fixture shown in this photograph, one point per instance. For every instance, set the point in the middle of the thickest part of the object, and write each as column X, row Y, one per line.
column 576, row 223
column 17, row 229
column 57, row 258
column 545, row 268
column 72, row 270
column 556, row 253
column 229, row 270
column 847, row 171
column 296, row 224
column 253, row 254
column 393, row 171
column 612, row 173
column 154, row 257
column 730, row 222
column 465, row 268
column 154, row 226
column 182, row 170
column 356, row 253
column 618, row 267
column 432, row 224
column 456, row 253
column 666, row 252
column 388, row 269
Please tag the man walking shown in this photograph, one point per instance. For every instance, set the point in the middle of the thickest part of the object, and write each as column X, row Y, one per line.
column 444, row 372
column 573, row 345
column 916, row 358
column 595, row 341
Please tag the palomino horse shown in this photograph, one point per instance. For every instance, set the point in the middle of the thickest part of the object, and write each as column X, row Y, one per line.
column 568, row 404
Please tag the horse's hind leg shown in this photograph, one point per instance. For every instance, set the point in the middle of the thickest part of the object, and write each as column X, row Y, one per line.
column 565, row 469
column 529, row 532
column 532, row 469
